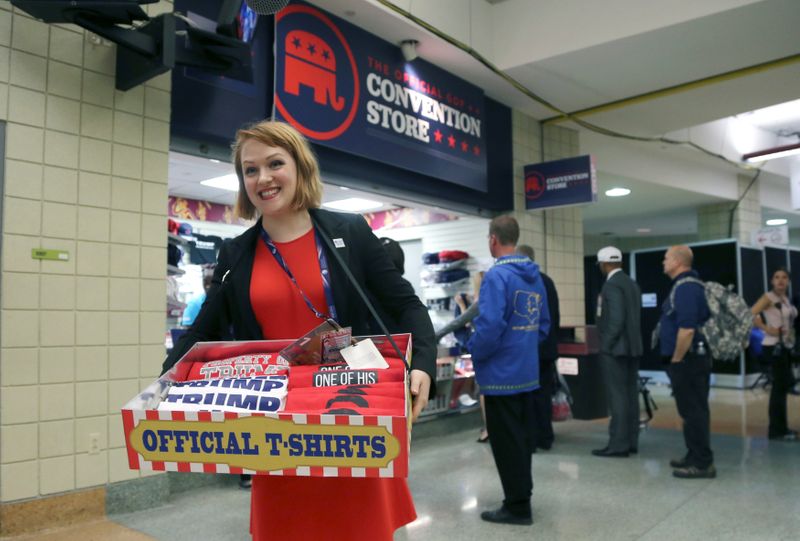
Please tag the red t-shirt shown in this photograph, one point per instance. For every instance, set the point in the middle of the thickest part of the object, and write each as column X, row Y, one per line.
column 292, row 508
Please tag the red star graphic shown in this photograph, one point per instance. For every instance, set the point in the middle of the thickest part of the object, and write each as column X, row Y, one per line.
column 464, row 146
column 476, row 150
column 437, row 136
column 451, row 141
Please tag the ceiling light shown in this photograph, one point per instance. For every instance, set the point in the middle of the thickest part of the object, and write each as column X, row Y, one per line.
column 225, row 182
column 777, row 221
column 644, row 230
column 345, row 188
column 772, row 153
column 409, row 49
column 353, row 204
column 213, row 160
column 617, row 192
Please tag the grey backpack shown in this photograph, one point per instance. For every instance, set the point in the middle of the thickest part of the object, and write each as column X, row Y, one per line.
column 727, row 330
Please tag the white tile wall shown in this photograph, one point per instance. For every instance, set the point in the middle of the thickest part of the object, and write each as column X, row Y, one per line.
column 56, row 365
column 19, row 442
column 73, row 344
column 57, row 474
column 60, row 185
column 56, row 438
column 91, row 363
column 63, row 114
column 20, row 366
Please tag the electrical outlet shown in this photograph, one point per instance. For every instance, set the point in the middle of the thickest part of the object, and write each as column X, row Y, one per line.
column 94, row 443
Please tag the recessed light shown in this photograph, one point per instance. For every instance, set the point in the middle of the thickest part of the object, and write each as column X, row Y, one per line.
column 345, row 188
column 353, row 204
column 644, row 230
column 777, row 221
column 213, row 160
column 617, row 192
column 225, row 182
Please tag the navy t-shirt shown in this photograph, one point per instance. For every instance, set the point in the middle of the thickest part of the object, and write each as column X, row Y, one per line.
column 690, row 312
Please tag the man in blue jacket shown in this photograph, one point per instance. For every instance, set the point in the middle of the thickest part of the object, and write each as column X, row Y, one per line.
column 513, row 318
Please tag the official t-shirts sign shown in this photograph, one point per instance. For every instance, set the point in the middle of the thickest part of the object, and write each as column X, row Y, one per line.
column 570, row 181
column 347, row 89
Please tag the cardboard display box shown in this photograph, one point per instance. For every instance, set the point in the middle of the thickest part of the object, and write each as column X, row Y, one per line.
column 290, row 444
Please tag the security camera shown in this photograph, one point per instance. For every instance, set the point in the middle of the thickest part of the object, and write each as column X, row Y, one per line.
column 409, row 49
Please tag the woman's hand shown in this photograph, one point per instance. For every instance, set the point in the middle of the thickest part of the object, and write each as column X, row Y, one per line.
column 420, row 387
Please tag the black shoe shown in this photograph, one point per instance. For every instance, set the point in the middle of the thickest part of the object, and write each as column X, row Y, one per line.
column 503, row 516
column 544, row 446
column 679, row 463
column 606, row 452
column 693, row 472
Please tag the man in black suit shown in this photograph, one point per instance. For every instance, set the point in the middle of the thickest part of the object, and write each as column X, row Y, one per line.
column 619, row 323
column 548, row 354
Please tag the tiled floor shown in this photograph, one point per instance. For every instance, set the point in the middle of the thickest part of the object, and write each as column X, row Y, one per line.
column 576, row 495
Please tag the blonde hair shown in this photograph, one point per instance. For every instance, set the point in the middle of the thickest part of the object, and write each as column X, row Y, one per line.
column 279, row 134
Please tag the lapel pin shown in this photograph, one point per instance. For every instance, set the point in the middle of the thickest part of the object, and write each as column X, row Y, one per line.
column 339, row 243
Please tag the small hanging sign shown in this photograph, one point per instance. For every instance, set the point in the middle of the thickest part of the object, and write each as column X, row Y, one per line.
column 50, row 255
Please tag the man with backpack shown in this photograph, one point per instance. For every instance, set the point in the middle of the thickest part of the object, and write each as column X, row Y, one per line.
column 686, row 349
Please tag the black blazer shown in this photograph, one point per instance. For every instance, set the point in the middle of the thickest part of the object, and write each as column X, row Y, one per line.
column 227, row 304
column 619, row 321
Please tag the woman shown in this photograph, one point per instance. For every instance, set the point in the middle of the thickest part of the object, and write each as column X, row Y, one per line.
column 269, row 284
column 777, row 324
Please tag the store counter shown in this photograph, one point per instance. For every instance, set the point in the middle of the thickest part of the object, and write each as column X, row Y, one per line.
column 579, row 364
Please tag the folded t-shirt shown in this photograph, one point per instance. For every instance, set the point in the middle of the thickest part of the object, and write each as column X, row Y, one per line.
column 394, row 389
column 241, row 366
column 323, row 400
column 261, row 394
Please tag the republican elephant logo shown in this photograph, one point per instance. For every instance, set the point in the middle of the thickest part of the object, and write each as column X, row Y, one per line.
column 310, row 62
column 535, row 185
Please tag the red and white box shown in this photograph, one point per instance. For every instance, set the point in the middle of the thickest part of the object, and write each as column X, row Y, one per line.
column 290, row 443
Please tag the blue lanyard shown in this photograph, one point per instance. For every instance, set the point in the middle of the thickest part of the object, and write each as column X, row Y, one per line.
column 323, row 266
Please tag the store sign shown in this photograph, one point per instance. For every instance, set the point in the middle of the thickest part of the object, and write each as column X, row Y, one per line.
column 571, row 181
column 347, row 89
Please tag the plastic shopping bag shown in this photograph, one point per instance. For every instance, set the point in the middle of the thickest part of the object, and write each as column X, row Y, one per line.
column 561, row 408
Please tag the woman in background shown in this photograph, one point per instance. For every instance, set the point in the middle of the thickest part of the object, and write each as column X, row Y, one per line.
column 280, row 279
column 778, row 325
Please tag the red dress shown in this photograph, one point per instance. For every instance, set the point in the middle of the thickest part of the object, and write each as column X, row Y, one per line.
column 302, row 508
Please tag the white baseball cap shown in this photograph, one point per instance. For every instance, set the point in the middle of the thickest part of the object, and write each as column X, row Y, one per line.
column 609, row 254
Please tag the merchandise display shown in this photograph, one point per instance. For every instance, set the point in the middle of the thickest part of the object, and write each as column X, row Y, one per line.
column 241, row 407
column 445, row 275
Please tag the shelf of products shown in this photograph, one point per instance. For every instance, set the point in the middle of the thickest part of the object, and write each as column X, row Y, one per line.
column 444, row 276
